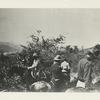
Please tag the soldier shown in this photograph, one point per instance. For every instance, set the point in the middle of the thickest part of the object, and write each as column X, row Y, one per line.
column 57, row 76
column 85, row 67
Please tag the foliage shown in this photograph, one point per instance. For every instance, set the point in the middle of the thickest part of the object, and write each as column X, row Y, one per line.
column 45, row 47
column 13, row 66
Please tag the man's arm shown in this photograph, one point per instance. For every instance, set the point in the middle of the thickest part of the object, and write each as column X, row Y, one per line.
column 34, row 65
column 31, row 67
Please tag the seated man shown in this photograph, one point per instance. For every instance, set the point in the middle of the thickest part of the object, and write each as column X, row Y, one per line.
column 66, row 71
column 57, row 79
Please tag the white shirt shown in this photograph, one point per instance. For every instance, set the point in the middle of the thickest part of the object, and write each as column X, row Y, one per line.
column 35, row 63
column 65, row 66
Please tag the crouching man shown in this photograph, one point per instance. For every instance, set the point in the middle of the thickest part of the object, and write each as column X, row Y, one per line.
column 57, row 79
column 66, row 72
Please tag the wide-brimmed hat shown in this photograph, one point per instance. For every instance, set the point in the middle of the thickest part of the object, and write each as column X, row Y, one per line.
column 90, row 52
column 58, row 58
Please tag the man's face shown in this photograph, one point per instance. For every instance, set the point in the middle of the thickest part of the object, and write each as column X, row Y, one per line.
column 97, row 53
column 58, row 61
column 35, row 57
column 91, row 57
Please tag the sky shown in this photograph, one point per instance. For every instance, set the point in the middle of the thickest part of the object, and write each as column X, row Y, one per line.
column 80, row 26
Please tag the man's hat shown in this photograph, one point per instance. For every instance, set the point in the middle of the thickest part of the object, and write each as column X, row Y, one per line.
column 89, row 53
column 58, row 58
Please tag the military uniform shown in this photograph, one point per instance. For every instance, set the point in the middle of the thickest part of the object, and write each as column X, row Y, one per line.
column 57, row 77
column 85, row 72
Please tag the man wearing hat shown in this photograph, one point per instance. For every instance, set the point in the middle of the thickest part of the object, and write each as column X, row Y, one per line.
column 96, row 78
column 35, row 66
column 33, row 70
column 85, row 67
column 35, row 61
column 57, row 75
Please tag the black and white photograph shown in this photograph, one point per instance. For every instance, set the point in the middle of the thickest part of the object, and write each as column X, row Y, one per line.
column 50, row 50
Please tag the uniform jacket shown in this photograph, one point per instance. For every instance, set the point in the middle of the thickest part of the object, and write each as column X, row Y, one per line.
column 85, row 71
column 56, row 71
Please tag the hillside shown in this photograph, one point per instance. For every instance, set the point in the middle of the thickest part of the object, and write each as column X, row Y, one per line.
column 9, row 47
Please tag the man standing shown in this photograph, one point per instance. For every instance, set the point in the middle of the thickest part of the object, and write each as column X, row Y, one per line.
column 35, row 66
column 85, row 71
column 57, row 76
column 33, row 70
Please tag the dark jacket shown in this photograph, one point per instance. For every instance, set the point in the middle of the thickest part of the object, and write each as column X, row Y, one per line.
column 56, row 71
column 57, row 78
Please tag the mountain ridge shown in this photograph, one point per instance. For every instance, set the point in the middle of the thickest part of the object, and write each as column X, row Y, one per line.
column 9, row 47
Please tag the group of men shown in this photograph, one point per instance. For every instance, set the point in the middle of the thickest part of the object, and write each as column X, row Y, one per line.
column 60, row 71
